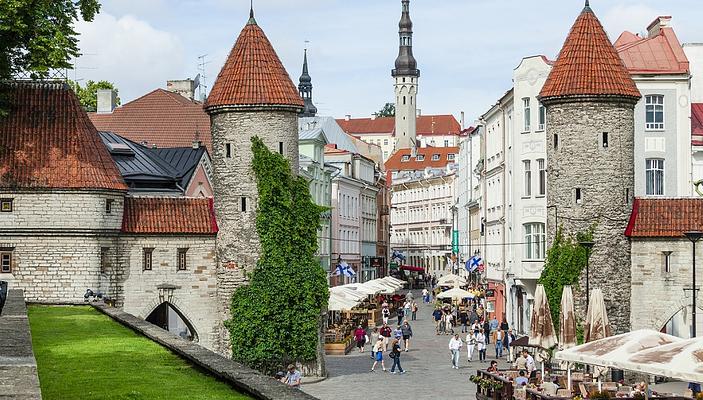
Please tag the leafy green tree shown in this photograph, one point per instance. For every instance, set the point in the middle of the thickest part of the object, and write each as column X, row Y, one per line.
column 276, row 319
column 88, row 95
column 565, row 261
column 388, row 110
column 39, row 35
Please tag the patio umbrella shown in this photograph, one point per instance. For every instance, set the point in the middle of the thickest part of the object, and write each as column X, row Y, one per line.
column 451, row 280
column 567, row 320
column 338, row 303
column 681, row 360
column 455, row 294
column 541, row 326
column 596, row 325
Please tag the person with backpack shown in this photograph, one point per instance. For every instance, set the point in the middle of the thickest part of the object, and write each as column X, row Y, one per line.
column 407, row 332
column 385, row 333
column 378, row 349
column 360, row 337
column 395, row 355
column 414, row 312
column 437, row 315
column 401, row 314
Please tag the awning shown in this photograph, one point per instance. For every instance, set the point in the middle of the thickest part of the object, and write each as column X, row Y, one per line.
column 412, row 268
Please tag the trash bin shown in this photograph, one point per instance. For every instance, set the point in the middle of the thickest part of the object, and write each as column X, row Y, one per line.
column 3, row 294
column 617, row 375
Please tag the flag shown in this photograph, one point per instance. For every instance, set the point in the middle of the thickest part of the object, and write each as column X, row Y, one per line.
column 475, row 263
column 344, row 269
column 398, row 255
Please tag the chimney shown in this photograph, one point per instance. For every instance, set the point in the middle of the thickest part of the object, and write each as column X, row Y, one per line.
column 196, row 144
column 462, row 121
column 107, row 101
column 373, row 117
column 185, row 88
column 347, row 117
column 419, row 112
column 656, row 26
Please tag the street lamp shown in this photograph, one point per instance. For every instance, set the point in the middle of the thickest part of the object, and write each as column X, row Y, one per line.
column 694, row 237
column 588, row 245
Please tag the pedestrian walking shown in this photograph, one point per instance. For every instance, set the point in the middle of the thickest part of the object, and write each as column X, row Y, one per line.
column 504, row 325
column 374, row 339
column 493, row 324
column 498, row 340
column 481, row 345
column 471, row 344
column 455, row 345
column 378, row 349
column 414, row 310
column 508, row 340
column 360, row 337
column 385, row 313
column 529, row 364
column 408, row 309
column 425, row 295
column 521, row 362
column 395, row 355
column 487, row 330
column 437, row 315
column 401, row 314
column 448, row 324
column 464, row 319
column 407, row 332
column 386, row 333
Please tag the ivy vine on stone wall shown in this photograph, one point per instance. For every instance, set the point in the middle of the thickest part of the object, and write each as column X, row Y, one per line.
column 275, row 319
column 563, row 265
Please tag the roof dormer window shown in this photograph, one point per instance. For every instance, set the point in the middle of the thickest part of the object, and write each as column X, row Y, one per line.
column 435, row 157
column 405, row 158
column 420, row 157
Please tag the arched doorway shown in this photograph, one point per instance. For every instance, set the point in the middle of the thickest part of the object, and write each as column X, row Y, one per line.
column 167, row 317
column 680, row 324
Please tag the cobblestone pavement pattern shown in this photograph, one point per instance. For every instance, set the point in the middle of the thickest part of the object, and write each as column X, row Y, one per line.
column 428, row 365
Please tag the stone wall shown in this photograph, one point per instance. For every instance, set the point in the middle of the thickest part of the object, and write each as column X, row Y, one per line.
column 18, row 367
column 605, row 177
column 192, row 292
column 659, row 294
column 233, row 178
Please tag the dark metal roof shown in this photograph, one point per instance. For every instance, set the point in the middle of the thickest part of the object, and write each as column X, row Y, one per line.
column 147, row 169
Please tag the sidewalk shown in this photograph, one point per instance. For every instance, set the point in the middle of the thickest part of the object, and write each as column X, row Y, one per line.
column 428, row 365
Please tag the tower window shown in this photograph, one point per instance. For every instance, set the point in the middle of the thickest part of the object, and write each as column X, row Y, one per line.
column 228, row 150
column 403, row 80
column 6, row 262
column 403, row 100
column 556, row 141
column 579, row 199
column 605, row 140
column 6, row 205
column 411, row 99
column 244, row 204
column 667, row 261
column 280, row 147
column 108, row 206
column 147, row 258
column 182, row 259
column 627, row 196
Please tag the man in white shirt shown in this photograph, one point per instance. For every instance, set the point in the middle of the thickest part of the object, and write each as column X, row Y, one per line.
column 425, row 296
column 455, row 345
column 530, row 364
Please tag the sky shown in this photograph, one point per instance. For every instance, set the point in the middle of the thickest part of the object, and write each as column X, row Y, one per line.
column 466, row 49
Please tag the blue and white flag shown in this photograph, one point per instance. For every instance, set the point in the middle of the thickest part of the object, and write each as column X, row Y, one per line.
column 397, row 255
column 344, row 269
column 474, row 263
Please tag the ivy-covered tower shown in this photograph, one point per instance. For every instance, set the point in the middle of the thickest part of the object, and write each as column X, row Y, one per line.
column 590, row 99
column 406, row 77
column 253, row 95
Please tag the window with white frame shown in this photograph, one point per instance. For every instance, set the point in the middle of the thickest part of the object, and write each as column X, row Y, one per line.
column 420, row 157
column 435, row 157
column 535, row 241
column 451, row 157
column 526, row 108
column 405, row 158
column 446, row 143
column 654, row 110
column 542, row 117
column 655, row 176
column 528, row 178
column 542, row 176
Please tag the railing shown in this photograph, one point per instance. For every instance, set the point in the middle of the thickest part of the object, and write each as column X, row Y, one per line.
column 503, row 388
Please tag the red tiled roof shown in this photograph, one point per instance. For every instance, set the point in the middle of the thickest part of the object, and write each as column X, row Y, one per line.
column 588, row 64
column 160, row 118
column 697, row 124
column 660, row 54
column 253, row 75
column 665, row 217
column 47, row 141
column 396, row 163
column 169, row 215
column 427, row 125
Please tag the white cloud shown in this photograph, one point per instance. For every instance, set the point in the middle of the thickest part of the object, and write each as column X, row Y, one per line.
column 129, row 52
column 633, row 18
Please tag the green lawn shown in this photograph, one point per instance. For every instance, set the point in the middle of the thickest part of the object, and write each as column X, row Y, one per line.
column 83, row 354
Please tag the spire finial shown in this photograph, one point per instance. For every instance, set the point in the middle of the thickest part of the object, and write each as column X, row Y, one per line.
column 252, row 21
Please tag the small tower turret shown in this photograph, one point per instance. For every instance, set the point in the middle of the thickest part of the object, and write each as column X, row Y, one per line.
column 305, row 90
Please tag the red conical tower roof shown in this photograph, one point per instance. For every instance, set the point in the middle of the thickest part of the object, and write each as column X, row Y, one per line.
column 253, row 75
column 588, row 65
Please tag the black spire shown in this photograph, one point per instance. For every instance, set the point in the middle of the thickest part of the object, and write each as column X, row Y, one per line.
column 405, row 64
column 252, row 21
column 305, row 89
column 587, row 7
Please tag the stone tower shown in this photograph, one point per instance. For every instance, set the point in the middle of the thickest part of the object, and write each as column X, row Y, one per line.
column 252, row 96
column 406, row 76
column 590, row 99
column 305, row 89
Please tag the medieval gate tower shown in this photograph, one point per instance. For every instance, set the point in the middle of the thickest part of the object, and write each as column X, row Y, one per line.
column 406, row 76
column 252, row 96
column 590, row 99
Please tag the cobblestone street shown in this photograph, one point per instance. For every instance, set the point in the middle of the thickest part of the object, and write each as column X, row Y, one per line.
column 428, row 365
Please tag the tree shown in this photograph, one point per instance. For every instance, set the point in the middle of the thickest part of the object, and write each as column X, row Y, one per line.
column 37, row 36
column 388, row 110
column 276, row 319
column 88, row 95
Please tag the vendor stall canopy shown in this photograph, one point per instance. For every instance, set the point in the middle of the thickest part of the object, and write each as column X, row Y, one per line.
column 452, row 280
column 348, row 296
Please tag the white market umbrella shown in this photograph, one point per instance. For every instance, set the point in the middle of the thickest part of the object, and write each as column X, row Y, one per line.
column 596, row 325
column 394, row 280
column 348, row 293
column 384, row 282
column 380, row 287
column 541, row 326
column 455, row 294
column 567, row 320
column 451, row 280
column 340, row 303
column 682, row 360
column 361, row 288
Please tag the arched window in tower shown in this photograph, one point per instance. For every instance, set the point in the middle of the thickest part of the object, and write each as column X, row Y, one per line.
column 404, row 100
column 411, row 99
column 556, row 141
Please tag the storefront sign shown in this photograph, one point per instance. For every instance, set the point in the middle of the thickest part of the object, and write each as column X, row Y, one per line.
column 376, row 262
column 455, row 242
column 490, row 293
column 394, row 266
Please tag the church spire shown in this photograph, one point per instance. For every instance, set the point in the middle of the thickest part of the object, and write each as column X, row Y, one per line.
column 305, row 89
column 252, row 21
column 405, row 64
